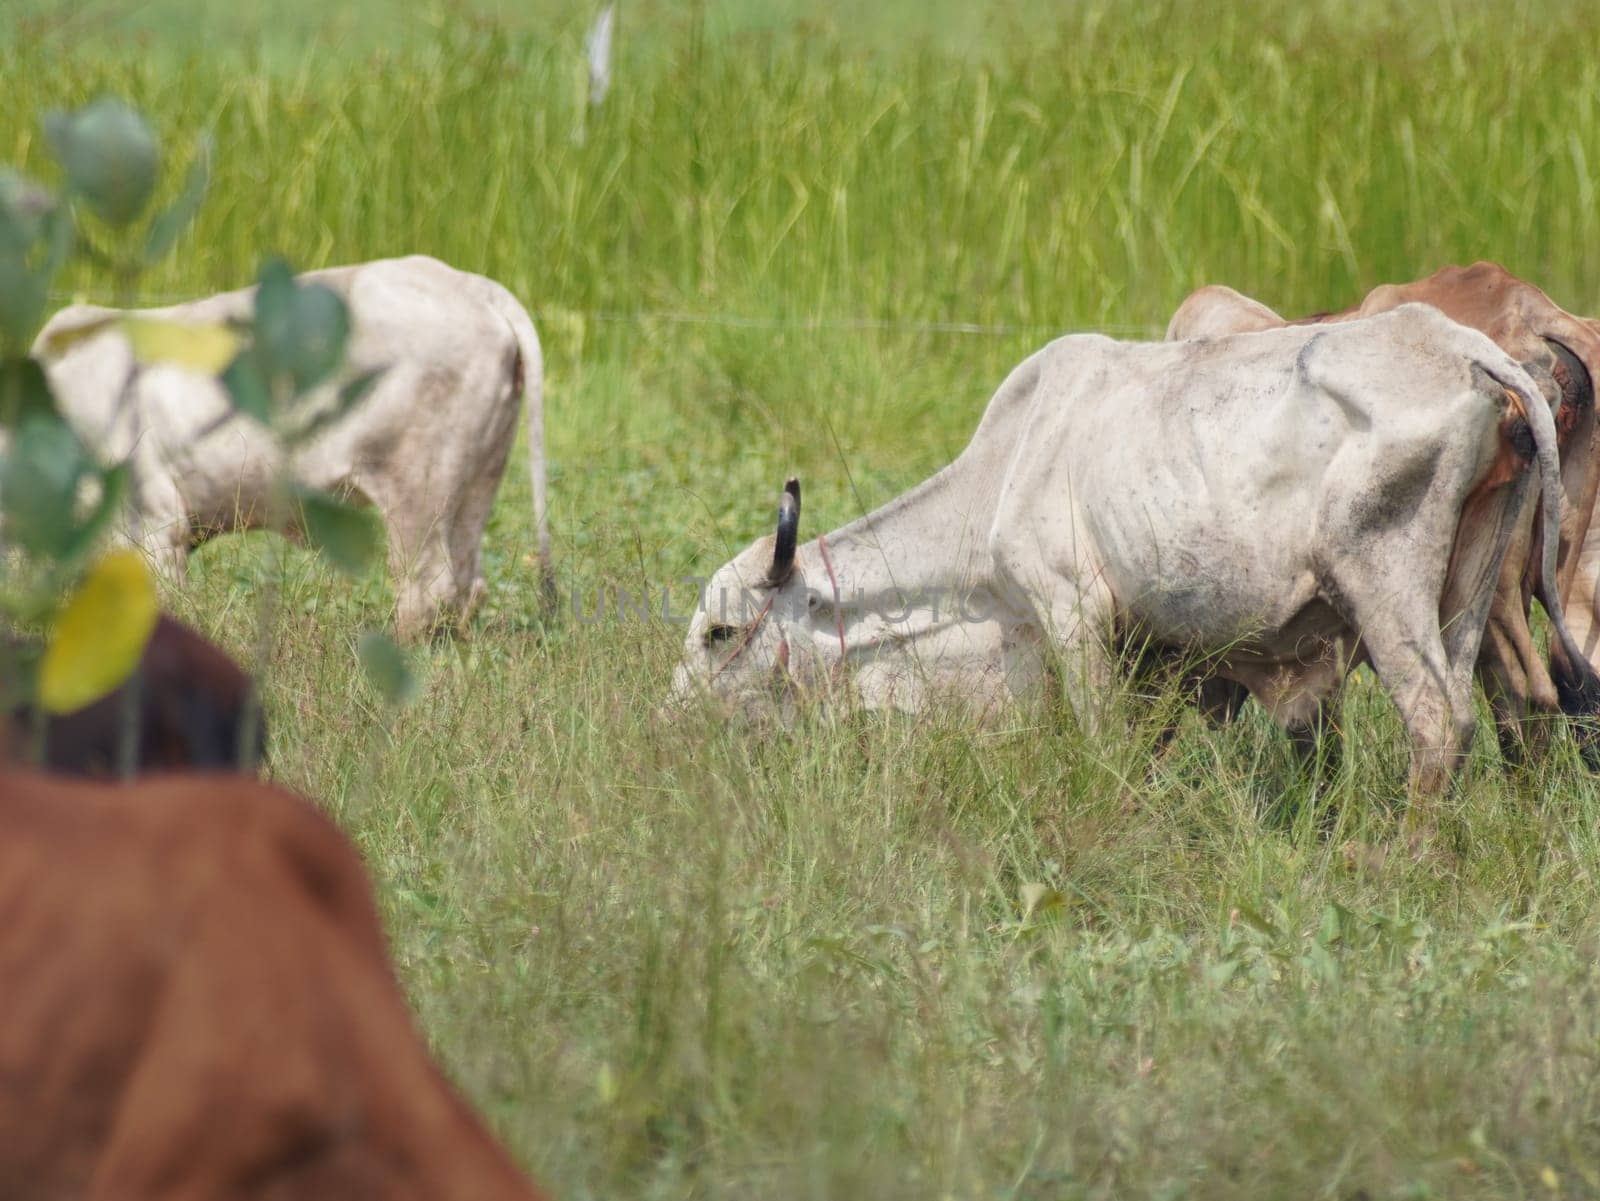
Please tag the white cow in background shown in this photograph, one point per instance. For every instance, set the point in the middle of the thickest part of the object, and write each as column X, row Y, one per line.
column 426, row 447
column 1285, row 503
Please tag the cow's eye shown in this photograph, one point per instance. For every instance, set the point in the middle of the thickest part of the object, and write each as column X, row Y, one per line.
column 720, row 633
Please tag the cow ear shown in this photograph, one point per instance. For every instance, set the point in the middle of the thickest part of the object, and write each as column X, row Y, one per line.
column 1571, row 377
column 788, row 536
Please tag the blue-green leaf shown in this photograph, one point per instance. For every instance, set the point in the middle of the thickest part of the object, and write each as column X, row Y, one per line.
column 386, row 667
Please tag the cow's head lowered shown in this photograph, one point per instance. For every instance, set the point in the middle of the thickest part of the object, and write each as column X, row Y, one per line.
column 899, row 605
column 739, row 645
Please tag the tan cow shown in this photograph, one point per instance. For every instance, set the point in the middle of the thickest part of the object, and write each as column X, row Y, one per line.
column 427, row 447
column 197, row 1003
column 1563, row 353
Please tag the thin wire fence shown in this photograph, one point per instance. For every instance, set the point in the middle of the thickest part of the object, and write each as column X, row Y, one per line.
column 743, row 320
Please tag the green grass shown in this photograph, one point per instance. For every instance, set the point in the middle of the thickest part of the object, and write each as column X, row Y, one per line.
column 715, row 962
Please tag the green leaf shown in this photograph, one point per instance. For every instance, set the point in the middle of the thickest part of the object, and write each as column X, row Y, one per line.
column 24, row 392
column 355, row 389
column 113, row 487
column 1255, row 919
column 1331, row 929
column 39, row 480
column 35, row 233
column 351, row 394
column 301, row 329
column 350, row 537
column 274, row 315
column 1219, row 973
column 111, row 157
column 19, row 669
column 164, row 230
column 24, row 293
column 25, row 206
column 322, row 326
column 386, row 667
column 100, row 634
column 247, row 385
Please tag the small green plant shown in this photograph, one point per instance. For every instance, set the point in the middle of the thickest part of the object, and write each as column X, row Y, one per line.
column 58, row 498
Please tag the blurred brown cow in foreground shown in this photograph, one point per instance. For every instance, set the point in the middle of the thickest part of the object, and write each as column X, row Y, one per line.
column 1563, row 353
column 189, row 700
column 197, row 1003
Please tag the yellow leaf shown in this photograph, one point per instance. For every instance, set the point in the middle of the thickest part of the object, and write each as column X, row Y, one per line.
column 1039, row 898
column 65, row 339
column 206, row 346
column 100, row 634
column 200, row 346
column 1548, row 1178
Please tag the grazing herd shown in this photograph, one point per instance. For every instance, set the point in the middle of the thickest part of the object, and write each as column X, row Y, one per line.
column 1268, row 502
column 199, row 1002
column 1276, row 506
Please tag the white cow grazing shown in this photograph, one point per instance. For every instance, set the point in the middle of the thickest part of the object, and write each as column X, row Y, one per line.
column 1286, row 503
column 426, row 447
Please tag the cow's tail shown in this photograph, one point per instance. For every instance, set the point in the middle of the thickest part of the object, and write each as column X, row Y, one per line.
column 1577, row 684
column 530, row 381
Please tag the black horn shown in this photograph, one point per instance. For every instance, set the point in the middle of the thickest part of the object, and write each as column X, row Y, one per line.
column 788, row 535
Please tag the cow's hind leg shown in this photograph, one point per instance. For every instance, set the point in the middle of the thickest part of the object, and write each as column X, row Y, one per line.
column 1423, row 643
column 423, row 569
column 1401, row 638
column 167, row 550
column 1400, row 635
column 466, row 547
column 1412, row 666
column 1522, row 696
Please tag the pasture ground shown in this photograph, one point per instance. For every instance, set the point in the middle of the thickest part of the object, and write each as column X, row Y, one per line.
column 874, row 957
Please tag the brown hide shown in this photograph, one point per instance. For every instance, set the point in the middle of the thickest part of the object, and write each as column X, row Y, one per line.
column 1524, row 322
column 190, row 700
column 198, row 1006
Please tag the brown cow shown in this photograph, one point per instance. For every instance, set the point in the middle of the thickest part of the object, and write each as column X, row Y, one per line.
column 197, row 1004
column 1563, row 353
column 189, row 704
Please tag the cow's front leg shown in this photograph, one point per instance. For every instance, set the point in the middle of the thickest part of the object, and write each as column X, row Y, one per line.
column 1051, row 569
column 1078, row 627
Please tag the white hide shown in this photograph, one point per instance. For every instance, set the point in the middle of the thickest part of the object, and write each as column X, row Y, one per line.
column 1285, row 502
column 427, row 446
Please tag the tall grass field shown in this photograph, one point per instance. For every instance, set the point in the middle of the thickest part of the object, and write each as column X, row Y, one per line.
column 872, row 956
